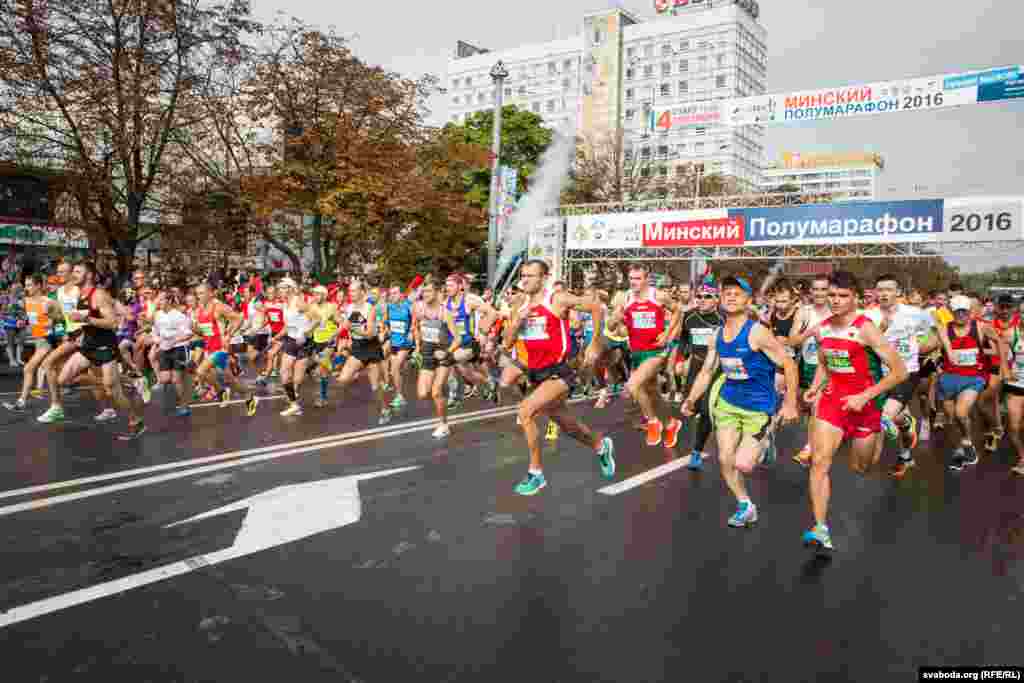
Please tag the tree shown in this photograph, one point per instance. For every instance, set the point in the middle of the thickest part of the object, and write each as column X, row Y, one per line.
column 97, row 90
column 523, row 140
column 603, row 171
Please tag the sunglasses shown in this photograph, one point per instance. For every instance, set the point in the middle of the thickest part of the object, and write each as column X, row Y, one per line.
column 705, row 297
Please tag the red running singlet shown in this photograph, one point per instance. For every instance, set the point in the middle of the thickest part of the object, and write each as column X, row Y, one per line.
column 645, row 320
column 544, row 334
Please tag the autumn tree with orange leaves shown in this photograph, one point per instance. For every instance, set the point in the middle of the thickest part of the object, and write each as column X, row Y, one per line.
column 96, row 90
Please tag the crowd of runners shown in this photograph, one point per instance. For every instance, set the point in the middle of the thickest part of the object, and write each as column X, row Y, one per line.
column 847, row 363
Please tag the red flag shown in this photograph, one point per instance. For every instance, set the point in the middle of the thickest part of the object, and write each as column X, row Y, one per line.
column 414, row 285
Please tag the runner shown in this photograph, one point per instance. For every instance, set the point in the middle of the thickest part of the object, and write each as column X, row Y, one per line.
column 903, row 327
column 45, row 330
column 367, row 352
column 963, row 373
column 256, row 332
column 216, row 367
column 644, row 311
column 743, row 400
column 542, row 324
column 433, row 331
column 297, row 345
column 399, row 313
column 324, row 342
column 274, row 309
column 172, row 330
column 848, row 382
column 67, row 297
column 1014, row 391
column 782, row 319
column 699, row 328
column 803, row 335
column 468, row 343
column 1004, row 321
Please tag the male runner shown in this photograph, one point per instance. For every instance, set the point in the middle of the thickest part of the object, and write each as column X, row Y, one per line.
column 467, row 345
column 1014, row 390
column 845, row 387
column 743, row 407
column 803, row 336
column 644, row 311
column 67, row 297
column 542, row 324
column 433, row 331
column 1004, row 321
column 215, row 367
column 699, row 328
column 399, row 312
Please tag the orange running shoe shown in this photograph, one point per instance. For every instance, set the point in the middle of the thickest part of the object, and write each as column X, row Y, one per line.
column 672, row 432
column 654, row 432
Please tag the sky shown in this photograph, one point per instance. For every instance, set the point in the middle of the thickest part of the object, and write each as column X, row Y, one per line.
column 961, row 151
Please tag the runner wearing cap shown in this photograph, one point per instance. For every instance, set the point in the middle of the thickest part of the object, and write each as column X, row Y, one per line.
column 399, row 319
column 744, row 400
column 963, row 373
column 323, row 340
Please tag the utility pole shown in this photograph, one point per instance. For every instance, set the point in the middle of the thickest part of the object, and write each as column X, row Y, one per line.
column 498, row 74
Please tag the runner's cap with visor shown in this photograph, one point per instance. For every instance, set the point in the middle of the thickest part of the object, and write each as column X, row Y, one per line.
column 959, row 303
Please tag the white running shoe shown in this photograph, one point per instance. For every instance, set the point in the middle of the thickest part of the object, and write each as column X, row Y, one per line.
column 293, row 409
column 107, row 415
column 442, row 432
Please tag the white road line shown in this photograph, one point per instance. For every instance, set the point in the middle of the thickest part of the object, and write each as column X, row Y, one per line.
column 42, row 503
column 178, row 464
column 644, row 477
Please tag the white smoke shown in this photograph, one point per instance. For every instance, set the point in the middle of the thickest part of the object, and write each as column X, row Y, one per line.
column 546, row 186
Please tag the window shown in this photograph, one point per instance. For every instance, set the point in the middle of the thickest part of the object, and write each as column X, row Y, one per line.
column 629, row 114
column 455, row 83
column 684, row 66
column 648, row 50
column 666, row 69
column 704, row 63
column 565, row 84
column 684, row 45
column 699, row 148
column 684, row 87
column 628, row 154
column 629, row 94
column 550, row 106
column 567, row 65
column 469, row 81
column 645, row 153
column 666, row 50
column 663, row 171
column 663, row 151
column 700, row 130
column 649, row 71
column 720, row 60
column 508, row 92
column 522, row 91
column 645, row 171
column 629, row 74
column 455, row 100
column 719, row 81
column 665, row 90
column 552, row 69
column 597, row 37
column 535, row 107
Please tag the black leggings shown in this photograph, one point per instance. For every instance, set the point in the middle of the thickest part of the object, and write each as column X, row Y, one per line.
column 703, row 408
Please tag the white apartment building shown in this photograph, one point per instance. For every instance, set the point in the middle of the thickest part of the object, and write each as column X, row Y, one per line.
column 706, row 50
column 850, row 176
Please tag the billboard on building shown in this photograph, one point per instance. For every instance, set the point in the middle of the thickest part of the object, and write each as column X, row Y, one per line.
column 796, row 160
column 690, row 115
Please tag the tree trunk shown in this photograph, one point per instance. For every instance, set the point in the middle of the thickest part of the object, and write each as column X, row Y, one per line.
column 318, row 221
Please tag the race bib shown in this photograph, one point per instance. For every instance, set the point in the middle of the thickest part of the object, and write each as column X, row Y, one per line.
column 644, row 320
column 274, row 316
column 68, row 306
column 33, row 318
column 965, row 358
column 237, row 340
column 904, row 348
column 431, row 335
column 811, row 351
column 701, row 336
column 206, row 329
column 734, row 368
column 535, row 328
column 399, row 326
column 838, row 360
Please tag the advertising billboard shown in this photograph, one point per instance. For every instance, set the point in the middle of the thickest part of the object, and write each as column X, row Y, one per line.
column 690, row 115
column 797, row 160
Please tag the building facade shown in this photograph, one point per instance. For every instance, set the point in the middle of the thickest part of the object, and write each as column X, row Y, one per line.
column 852, row 176
column 621, row 68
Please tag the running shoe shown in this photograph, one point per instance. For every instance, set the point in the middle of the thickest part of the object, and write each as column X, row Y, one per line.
column 696, row 463
column 926, row 430
column 606, row 458
column 819, row 538
column 16, row 405
column 385, row 417
column 107, row 415
column 250, row 405
column 492, row 392
column 552, row 433
column 442, row 432
column 902, row 466
column 53, row 414
column 672, row 432
column 992, row 440
column 532, row 484
column 745, row 515
column 225, row 396
column 134, row 431
column 653, row 428
column 959, row 459
column 183, row 411
column 319, row 403
column 803, row 458
column 970, row 456
column 602, row 399
column 292, row 410
column 398, row 402
column 144, row 389
column 892, row 432
column 1019, row 469
column 261, row 381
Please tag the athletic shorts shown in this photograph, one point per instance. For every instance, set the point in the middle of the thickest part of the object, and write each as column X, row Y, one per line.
column 98, row 356
column 904, row 391
column 367, row 351
column 508, row 360
column 296, row 350
column 929, row 366
column 197, row 344
column 410, row 347
column 257, row 342
column 612, row 344
column 430, row 363
column 39, row 343
column 860, row 425
column 1012, row 390
column 220, row 360
column 951, row 386
column 237, row 348
column 746, row 422
column 807, row 372
column 638, row 358
column 561, row 371
column 475, row 348
column 174, row 359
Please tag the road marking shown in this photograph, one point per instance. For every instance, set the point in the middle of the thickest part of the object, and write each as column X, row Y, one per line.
column 281, row 515
column 42, row 503
column 644, row 477
column 178, row 464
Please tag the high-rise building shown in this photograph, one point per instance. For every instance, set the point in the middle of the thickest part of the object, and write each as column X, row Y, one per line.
column 622, row 67
column 845, row 176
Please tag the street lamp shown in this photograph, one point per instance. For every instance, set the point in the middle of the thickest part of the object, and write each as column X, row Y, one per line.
column 498, row 74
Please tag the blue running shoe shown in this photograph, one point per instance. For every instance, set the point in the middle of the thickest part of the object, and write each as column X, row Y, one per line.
column 696, row 463
column 184, row 411
column 745, row 515
column 606, row 458
column 819, row 538
column 533, row 483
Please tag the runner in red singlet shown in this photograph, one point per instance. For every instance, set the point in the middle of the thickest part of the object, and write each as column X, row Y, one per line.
column 274, row 308
column 541, row 323
column 848, row 379
column 1004, row 322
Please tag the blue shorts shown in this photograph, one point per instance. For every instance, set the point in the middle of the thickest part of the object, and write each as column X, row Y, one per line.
column 951, row 386
column 220, row 360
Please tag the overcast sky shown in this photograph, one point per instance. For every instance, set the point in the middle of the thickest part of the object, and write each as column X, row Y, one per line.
column 968, row 150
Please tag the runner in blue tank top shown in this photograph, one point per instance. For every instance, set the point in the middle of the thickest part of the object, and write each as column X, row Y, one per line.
column 744, row 399
column 461, row 306
column 400, row 323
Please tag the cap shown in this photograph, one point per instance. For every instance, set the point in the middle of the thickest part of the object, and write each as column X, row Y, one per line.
column 287, row 282
column 734, row 281
column 1005, row 300
column 960, row 303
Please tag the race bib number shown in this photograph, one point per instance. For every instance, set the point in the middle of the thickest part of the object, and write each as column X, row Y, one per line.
column 965, row 358
column 399, row 326
column 811, row 351
column 701, row 336
column 237, row 340
column 904, row 348
column 274, row 316
column 535, row 328
column 645, row 320
column 734, row 368
column 206, row 329
column 431, row 335
column 838, row 360
column 33, row 318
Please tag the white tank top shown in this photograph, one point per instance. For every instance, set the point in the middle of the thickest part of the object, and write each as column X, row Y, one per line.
column 811, row 319
column 297, row 324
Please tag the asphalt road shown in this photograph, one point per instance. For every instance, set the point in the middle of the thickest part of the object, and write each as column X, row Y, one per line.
column 437, row 571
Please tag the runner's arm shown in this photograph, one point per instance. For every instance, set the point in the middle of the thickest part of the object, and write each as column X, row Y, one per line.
column 108, row 313
column 707, row 371
column 234, row 319
column 1003, row 348
column 449, row 319
column 877, row 342
column 591, row 304
column 762, row 339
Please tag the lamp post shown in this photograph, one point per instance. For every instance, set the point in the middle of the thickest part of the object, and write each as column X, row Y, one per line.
column 498, row 74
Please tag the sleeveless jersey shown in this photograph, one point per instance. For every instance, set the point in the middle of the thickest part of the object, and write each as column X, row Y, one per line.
column 68, row 303
column 463, row 320
column 275, row 316
column 852, row 366
column 92, row 335
column 904, row 331
column 645, row 319
column 1005, row 331
column 1016, row 342
column 326, row 329
column 809, row 349
column 297, row 325
column 400, row 321
column 359, row 319
column 256, row 317
column 698, row 331
column 749, row 375
column 38, row 320
column 434, row 333
column 209, row 327
column 781, row 327
column 544, row 334
column 967, row 359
